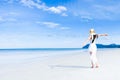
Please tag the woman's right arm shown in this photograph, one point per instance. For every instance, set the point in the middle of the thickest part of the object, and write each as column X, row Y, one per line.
column 86, row 41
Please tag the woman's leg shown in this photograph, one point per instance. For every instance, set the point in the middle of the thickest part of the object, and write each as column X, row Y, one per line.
column 96, row 63
column 91, row 57
column 94, row 60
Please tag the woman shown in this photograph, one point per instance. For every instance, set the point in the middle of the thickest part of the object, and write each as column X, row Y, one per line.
column 92, row 47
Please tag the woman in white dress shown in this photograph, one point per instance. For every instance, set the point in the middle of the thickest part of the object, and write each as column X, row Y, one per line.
column 93, row 48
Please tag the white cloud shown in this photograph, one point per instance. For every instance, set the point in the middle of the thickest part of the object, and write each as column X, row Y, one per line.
column 65, row 28
column 13, row 13
column 84, row 15
column 43, row 6
column 51, row 24
column 28, row 3
column 96, row 10
column 31, row 4
column 8, row 17
column 86, row 18
column 110, row 12
column 64, row 14
column 38, row 1
column 58, row 9
column 110, row 8
column 5, row 19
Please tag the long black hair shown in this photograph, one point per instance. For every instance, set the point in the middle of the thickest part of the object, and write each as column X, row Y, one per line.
column 94, row 37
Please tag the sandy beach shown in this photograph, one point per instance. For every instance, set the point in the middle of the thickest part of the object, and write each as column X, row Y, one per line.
column 74, row 65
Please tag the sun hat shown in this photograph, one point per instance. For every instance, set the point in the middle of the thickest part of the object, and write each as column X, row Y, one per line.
column 92, row 30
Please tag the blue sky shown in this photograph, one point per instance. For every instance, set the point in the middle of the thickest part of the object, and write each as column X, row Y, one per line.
column 57, row 23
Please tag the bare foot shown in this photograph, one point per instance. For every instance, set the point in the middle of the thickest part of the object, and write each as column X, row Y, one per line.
column 97, row 66
column 92, row 66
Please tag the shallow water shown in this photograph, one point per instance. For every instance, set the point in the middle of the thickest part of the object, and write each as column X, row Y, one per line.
column 26, row 55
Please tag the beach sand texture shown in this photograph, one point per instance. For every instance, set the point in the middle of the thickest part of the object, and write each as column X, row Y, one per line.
column 73, row 66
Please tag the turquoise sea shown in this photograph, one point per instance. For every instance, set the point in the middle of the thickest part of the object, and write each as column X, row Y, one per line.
column 39, row 49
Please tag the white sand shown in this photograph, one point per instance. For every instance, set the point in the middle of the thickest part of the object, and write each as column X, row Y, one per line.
column 75, row 66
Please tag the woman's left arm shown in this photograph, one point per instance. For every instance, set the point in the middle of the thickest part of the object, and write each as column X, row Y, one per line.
column 102, row 34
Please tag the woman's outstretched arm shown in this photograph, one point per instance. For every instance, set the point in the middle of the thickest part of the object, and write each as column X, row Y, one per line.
column 102, row 34
column 86, row 41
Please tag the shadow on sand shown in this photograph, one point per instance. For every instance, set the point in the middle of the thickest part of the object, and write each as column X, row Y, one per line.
column 68, row 66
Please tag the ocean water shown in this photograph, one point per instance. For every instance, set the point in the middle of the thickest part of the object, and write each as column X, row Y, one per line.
column 34, row 54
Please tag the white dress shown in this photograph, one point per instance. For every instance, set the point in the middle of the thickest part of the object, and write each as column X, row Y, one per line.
column 93, row 49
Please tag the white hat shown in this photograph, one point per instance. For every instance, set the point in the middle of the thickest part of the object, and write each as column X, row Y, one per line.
column 92, row 30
